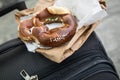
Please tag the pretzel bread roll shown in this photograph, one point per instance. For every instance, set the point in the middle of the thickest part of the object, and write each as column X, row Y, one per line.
column 57, row 36
column 35, row 29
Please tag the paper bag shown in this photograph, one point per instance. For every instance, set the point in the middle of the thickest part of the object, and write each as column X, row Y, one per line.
column 58, row 54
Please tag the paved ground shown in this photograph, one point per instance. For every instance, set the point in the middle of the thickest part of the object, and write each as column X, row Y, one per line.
column 108, row 30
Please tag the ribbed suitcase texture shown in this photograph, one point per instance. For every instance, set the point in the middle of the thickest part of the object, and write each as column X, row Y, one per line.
column 90, row 62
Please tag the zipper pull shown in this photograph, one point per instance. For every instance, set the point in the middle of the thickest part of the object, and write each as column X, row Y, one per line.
column 25, row 75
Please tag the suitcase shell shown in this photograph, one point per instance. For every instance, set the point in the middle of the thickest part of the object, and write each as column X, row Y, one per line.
column 90, row 62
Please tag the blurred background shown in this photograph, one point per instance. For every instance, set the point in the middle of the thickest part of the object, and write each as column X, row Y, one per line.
column 108, row 30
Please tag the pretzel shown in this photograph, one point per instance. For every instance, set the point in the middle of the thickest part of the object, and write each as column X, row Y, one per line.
column 41, row 34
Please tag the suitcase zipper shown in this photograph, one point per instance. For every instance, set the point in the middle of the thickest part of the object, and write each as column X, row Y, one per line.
column 83, row 61
column 25, row 75
column 89, row 72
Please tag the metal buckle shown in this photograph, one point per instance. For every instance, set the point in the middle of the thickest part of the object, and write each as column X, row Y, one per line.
column 25, row 75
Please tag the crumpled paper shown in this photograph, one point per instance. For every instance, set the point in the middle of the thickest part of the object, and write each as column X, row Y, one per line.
column 88, row 12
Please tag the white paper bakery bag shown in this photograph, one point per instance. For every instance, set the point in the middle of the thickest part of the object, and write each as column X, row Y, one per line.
column 86, row 11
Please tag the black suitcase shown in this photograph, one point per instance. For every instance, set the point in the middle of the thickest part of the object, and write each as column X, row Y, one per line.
column 90, row 62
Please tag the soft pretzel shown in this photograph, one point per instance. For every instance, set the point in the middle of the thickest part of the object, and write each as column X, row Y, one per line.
column 35, row 29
